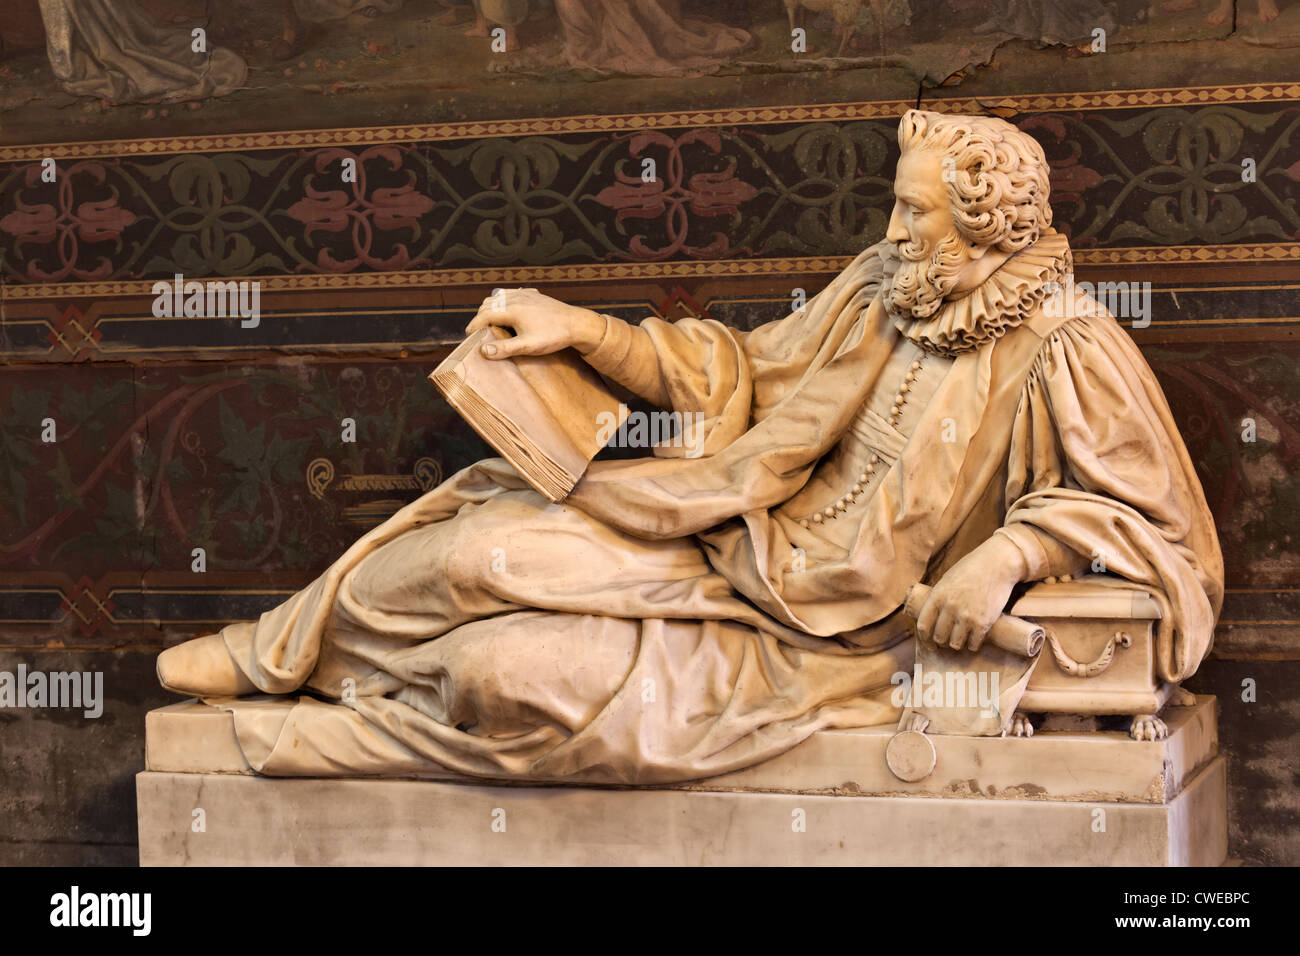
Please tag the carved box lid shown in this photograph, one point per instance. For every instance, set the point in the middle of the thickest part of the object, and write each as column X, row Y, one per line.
column 1102, row 596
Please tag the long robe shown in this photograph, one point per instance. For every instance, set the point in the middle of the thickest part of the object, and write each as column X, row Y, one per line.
column 678, row 617
column 117, row 51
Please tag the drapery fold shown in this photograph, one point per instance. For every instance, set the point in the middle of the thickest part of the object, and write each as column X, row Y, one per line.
column 113, row 49
column 1096, row 463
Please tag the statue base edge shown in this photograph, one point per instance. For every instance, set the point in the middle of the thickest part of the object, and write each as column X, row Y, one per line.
column 261, row 821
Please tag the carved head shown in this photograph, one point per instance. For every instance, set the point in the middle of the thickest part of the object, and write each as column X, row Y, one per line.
column 966, row 186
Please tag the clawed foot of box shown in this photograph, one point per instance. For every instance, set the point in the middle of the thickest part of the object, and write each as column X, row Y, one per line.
column 1148, row 727
column 1020, row 726
column 917, row 722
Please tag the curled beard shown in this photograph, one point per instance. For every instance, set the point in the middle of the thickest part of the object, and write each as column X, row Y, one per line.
column 923, row 280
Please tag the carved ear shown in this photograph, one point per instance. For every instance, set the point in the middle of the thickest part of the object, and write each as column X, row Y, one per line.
column 976, row 250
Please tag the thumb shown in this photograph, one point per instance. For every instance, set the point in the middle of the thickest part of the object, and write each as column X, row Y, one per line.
column 505, row 348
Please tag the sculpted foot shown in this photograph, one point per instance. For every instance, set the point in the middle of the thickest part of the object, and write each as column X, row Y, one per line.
column 203, row 667
column 918, row 723
column 1020, row 726
column 1148, row 727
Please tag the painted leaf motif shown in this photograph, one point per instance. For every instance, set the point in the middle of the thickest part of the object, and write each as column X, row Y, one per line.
column 105, row 219
column 35, row 223
column 322, row 210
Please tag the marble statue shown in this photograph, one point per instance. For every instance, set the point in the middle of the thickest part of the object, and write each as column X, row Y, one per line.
column 935, row 415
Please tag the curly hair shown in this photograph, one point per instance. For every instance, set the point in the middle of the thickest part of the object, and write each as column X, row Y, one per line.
column 998, row 183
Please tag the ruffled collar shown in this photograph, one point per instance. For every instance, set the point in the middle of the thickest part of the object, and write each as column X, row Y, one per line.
column 1004, row 300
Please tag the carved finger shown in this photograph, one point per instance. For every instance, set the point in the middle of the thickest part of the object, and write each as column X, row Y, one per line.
column 960, row 633
column 485, row 316
column 925, row 620
column 943, row 626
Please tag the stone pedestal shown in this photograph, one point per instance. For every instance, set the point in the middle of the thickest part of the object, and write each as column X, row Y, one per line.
column 1056, row 798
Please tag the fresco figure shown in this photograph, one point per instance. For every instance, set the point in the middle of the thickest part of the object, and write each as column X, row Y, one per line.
column 855, row 20
column 651, row 37
column 1066, row 22
column 296, row 14
column 114, row 50
column 1266, row 10
column 507, row 14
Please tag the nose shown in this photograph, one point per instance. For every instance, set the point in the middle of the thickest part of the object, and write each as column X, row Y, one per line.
column 897, row 232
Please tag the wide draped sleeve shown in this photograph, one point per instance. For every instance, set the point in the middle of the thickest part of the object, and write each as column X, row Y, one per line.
column 726, row 379
column 1097, row 472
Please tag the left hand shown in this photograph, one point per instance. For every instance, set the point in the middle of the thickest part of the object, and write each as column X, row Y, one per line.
column 972, row 595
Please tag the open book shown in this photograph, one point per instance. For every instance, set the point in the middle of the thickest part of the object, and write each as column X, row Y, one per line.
column 542, row 413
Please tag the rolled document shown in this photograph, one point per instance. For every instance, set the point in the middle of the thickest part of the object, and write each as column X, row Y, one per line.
column 1012, row 634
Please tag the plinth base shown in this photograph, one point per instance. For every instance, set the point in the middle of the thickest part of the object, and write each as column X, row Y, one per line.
column 1056, row 799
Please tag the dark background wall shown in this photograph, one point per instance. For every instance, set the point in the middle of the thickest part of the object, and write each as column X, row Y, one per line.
column 182, row 433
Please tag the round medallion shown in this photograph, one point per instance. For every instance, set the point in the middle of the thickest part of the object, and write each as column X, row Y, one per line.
column 910, row 756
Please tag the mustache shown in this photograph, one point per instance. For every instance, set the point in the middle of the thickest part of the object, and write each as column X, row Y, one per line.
column 913, row 250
